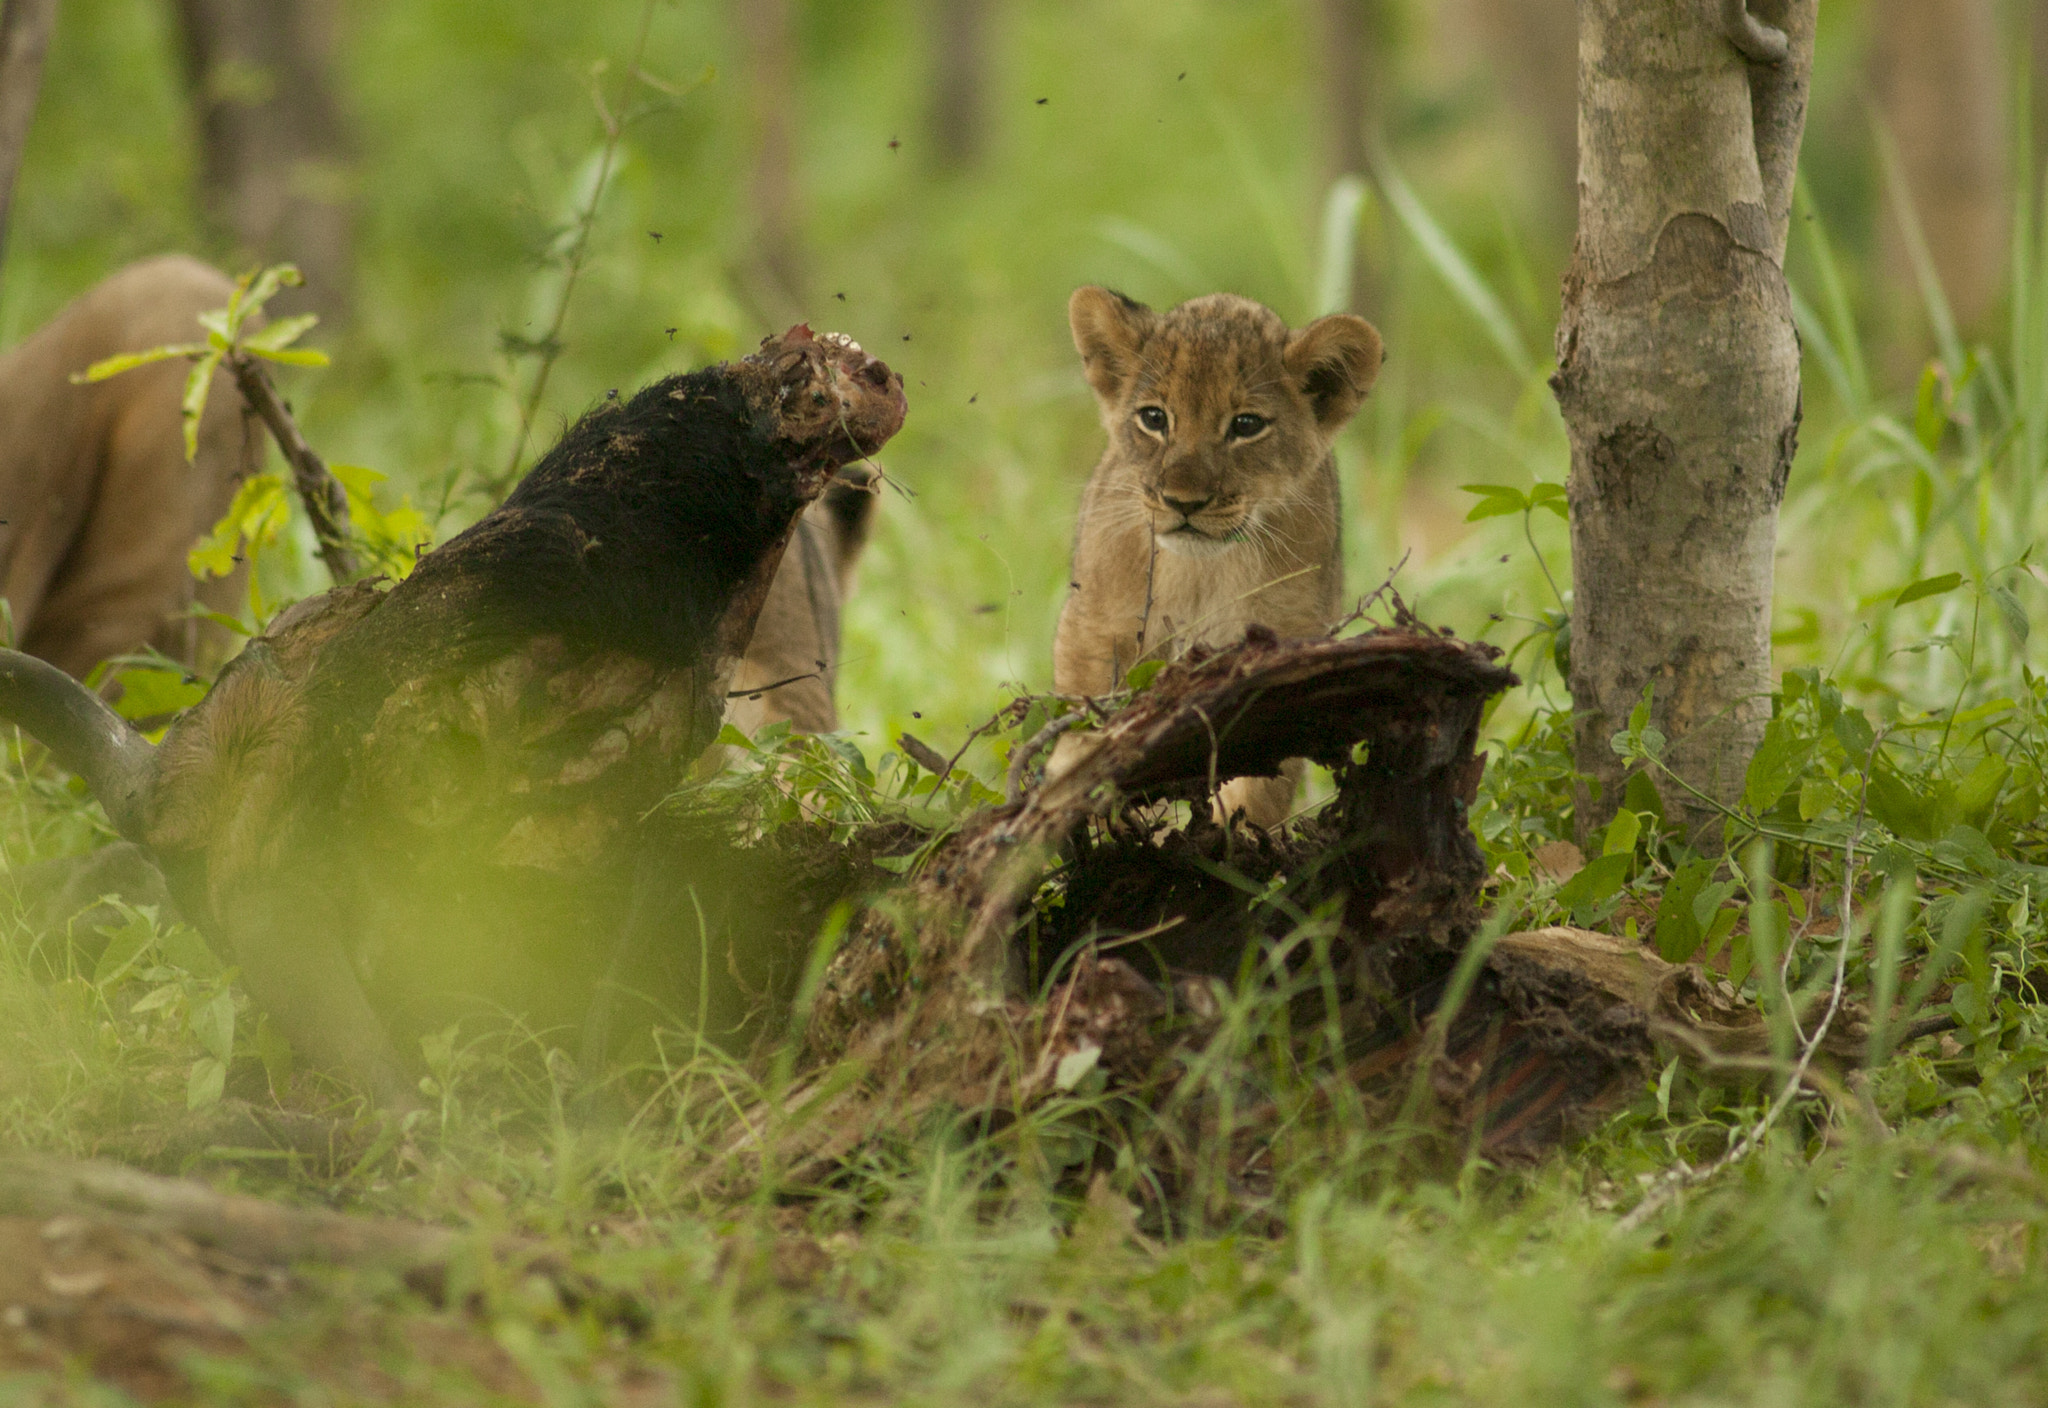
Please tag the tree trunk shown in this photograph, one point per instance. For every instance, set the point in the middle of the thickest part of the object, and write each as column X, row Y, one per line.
column 1939, row 74
column 1678, row 377
column 25, row 27
column 767, row 27
column 274, row 172
column 959, row 81
column 1533, row 45
column 2037, row 86
column 1352, row 98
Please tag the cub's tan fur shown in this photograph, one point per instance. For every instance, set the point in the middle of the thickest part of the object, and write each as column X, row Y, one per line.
column 100, row 504
column 792, row 662
column 1215, row 505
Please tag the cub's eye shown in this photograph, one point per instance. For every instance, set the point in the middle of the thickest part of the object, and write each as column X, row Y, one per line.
column 1245, row 425
column 1153, row 418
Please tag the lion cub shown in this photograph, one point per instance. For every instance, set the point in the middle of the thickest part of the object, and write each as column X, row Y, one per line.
column 1215, row 505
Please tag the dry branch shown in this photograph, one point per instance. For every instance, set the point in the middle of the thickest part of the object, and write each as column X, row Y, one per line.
column 325, row 500
column 25, row 27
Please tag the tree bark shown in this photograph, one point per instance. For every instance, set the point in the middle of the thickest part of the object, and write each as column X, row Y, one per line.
column 274, row 167
column 959, row 81
column 1533, row 45
column 1678, row 377
column 2037, row 86
column 25, row 27
column 1352, row 78
column 767, row 27
column 1939, row 74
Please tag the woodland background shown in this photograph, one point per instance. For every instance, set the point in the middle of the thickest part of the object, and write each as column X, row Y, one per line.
column 935, row 178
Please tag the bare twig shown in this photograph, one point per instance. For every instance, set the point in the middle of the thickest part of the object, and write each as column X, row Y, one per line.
column 1684, row 1176
column 573, row 258
column 954, row 761
column 924, row 755
column 758, row 690
column 25, row 27
column 1371, row 598
column 1023, row 753
column 325, row 500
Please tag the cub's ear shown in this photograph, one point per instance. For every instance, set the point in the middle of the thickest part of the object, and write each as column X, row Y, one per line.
column 1334, row 361
column 1107, row 330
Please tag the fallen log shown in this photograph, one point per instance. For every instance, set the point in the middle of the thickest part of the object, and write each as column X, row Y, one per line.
column 1074, row 931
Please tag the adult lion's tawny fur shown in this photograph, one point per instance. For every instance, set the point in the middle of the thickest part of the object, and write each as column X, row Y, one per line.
column 792, row 664
column 1215, row 505
column 99, row 502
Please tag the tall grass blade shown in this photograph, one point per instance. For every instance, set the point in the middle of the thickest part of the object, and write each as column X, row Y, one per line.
column 1939, row 316
column 1841, row 330
column 1185, row 276
column 1342, row 209
column 1453, row 267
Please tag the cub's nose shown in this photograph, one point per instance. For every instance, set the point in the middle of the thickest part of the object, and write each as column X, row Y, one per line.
column 1186, row 508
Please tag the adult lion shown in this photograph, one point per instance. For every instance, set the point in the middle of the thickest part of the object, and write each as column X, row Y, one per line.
column 98, row 505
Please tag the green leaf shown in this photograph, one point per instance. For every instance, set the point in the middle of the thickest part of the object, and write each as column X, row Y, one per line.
column 213, row 1022
column 1780, row 757
column 1738, row 955
column 1140, row 676
column 258, row 511
column 183, row 946
column 2015, row 614
column 162, row 996
column 1640, row 795
column 1678, row 932
column 1967, row 848
column 1722, row 925
column 127, row 942
column 151, row 693
column 1979, row 787
column 1496, row 500
column 1904, row 810
column 359, row 479
column 1600, row 879
column 193, row 404
column 1621, row 834
column 242, row 306
column 1706, row 904
column 1928, row 586
column 1814, row 795
column 220, row 618
column 1856, row 736
column 280, row 334
column 295, row 357
column 1639, row 717
column 1551, row 496
column 129, row 361
column 209, row 1078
